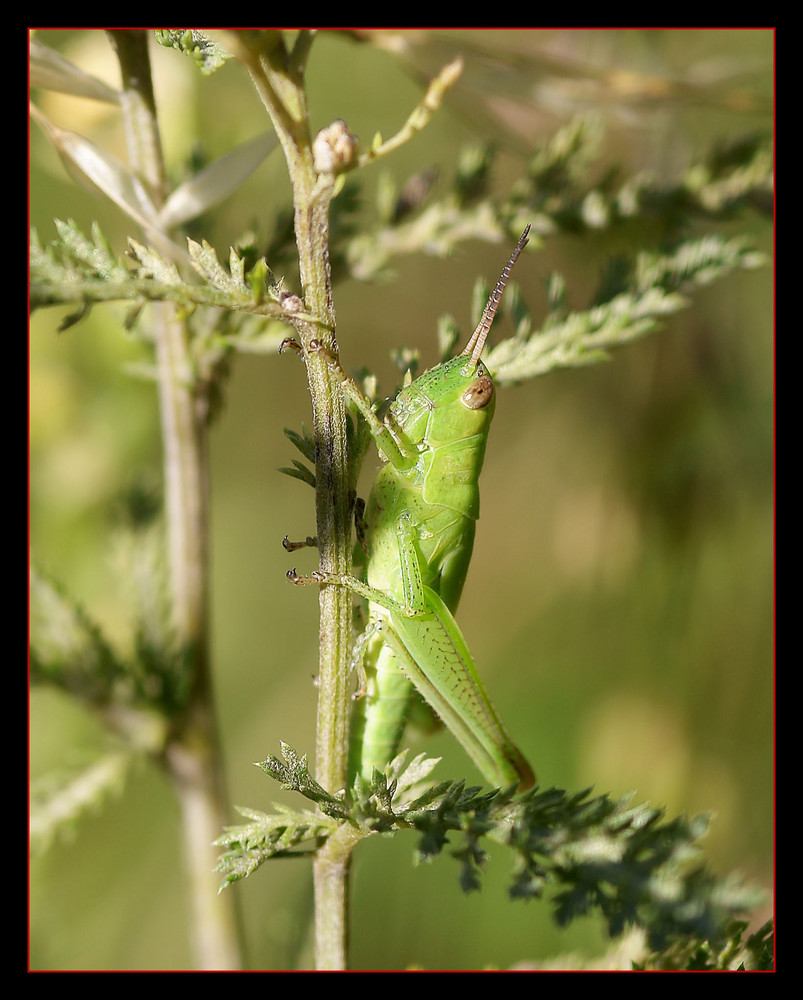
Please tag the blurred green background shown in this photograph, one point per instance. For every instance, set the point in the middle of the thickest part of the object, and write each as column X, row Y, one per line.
column 620, row 601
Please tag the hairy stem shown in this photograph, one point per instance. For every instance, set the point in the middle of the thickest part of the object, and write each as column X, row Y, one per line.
column 192, row 754
column 278, row 75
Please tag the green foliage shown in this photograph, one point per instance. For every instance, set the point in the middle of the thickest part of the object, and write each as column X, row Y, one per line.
column 135, row 691
column 731, row 954
column 306, row 446
column 556, row 193
column 560, row 191
column 652, row 287
column 586, row 854
column 60, row 799
column 207, row 54
column 69, row 650
column 77, row 268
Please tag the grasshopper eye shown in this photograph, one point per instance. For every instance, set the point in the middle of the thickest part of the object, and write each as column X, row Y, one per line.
column 479, row 394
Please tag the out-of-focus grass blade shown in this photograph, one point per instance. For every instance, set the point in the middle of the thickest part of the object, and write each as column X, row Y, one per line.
column 94, row 168
column 100, row 171
column 216, row 181
column 52, row 71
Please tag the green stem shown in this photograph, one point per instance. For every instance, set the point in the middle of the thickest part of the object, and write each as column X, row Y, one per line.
column 192, row 754
column 278, row 75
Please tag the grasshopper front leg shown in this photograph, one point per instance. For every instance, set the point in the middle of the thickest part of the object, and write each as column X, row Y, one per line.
column 388, row 438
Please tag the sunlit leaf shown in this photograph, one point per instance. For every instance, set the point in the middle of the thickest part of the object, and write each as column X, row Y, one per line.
column 51, row 71
column 215, row 182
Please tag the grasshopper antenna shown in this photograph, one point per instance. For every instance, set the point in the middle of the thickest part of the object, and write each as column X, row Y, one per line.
column 477, row 342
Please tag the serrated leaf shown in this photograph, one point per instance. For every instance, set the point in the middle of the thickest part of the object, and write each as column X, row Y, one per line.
column 58, row 801
column 285, row 832
column 259, row 277
column 67, row 647
column 302, row 441
column 154, row 265
column 207, row 54
column 299, row 471
column 203, row 258
column 654, row 288
column 93, row 252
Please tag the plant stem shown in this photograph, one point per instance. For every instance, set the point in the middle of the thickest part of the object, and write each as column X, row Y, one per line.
column 192, row 754
column 278, row 75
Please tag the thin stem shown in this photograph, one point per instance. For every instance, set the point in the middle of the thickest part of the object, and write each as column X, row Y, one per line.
column 278, row 76
column 281, row 86
column 192, row 754
column 421, row 114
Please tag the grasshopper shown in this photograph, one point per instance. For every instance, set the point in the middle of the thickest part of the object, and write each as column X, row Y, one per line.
column 418, row 535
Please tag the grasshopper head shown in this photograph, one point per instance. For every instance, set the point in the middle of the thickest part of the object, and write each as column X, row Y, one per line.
column 425, row 409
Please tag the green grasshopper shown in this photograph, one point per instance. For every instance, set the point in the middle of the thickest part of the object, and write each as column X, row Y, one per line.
column 418, row 536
